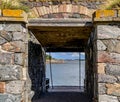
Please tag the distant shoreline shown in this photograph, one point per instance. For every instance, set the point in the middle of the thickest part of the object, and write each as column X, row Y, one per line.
column 55, row 61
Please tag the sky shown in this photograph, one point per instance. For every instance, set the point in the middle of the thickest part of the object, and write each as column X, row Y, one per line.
column 68, row 55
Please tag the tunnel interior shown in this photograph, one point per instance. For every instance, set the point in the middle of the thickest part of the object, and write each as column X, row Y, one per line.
column 59, row 38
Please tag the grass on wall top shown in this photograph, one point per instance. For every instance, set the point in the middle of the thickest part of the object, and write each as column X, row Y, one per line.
column 111, row 4
column 13, row 4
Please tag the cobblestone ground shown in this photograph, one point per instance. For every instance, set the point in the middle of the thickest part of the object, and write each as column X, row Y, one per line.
column 64, row 97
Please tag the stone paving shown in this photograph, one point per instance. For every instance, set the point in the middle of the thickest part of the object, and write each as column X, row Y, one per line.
column 64, row 97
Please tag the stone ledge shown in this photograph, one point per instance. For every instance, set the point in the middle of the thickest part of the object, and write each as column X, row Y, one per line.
column 11, row 19
column 107, row 20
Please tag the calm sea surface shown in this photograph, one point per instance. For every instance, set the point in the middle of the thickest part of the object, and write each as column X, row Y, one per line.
column 66, row 74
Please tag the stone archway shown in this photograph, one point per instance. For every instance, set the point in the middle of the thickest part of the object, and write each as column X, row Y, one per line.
column 103, row 55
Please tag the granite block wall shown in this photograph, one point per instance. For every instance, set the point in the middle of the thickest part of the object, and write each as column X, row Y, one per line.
column 108, row 62
column 15, row 85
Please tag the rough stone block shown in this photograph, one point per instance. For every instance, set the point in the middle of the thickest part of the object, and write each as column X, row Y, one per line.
column 115, row 57
column 118, row 79
column 108, row 32
column 50, row 9
column 55, row 8
column 105, row 13
column 113, row 69
column 19, row 58
column 2, row 87
column 75, row 8
column 111, row 44
column 34, row 12
column 15, row 46
column 64, row 7
column 60, row 8
column 24, row 73
column 107, row 98
column 6, row 58
column 103, row 78
column 10, row 98
column 14, row 27
column 19, row 36
column 117, row 48
column 14, row 13
column 105, row 57
column 1, row 27
column 101, row 88
column 7, row 36
column 40, row 10
column 101, row 68
column 2, row 40
column 15, row 87
column 10, row 72
column 69, row 8
column 113, row 89
column 101, row 46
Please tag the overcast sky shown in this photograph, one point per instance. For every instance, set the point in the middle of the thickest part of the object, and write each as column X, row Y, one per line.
column 73, row 55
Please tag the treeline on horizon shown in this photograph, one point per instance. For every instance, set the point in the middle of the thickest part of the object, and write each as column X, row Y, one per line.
column 49, row 57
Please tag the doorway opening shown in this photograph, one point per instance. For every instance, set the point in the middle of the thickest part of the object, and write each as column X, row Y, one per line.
column 65, row 71
column 62, row 36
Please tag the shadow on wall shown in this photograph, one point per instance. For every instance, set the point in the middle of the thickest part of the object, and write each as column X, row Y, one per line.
column 36, row 69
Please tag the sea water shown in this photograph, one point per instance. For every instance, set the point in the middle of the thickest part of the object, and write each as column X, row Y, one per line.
column 67, row 74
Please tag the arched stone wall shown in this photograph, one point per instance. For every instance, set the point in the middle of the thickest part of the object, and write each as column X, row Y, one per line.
column 62, row 9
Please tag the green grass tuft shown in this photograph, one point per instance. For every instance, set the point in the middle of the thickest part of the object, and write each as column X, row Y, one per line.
column 14, row 4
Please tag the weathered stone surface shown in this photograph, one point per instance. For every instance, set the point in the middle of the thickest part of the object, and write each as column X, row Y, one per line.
column 18, row 36
column 101, row 46
column 10, row 98
column 26, row 61
column 6, row 35
column 107, row 98
column 101, row 68
column 0, row 13
column 24, row 73
column 6, row 58
column 19, row 58
column 15, row 46
column 103, row 78
column 15, row 87
column 115, row 57
column 108, row 31
column 2, row 87
column 110, row 44
column 119, row 99
column 2, row 40
column 118, row 79
column 113, row 89
column 117, row 48
column 1, row 26
column 10, row 72
column 13, row 27
column 101, row 88
column 113, row 69
column 105, row 57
